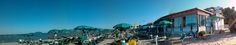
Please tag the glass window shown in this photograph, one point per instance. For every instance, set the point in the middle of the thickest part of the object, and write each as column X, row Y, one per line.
column 191, row 19
column 177, row 21
column 184, row 21
column 202, row 19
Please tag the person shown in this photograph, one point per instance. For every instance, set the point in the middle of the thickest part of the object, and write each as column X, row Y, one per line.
column 92, row 40
column 79, row 41
column 128, row 35
column 123, row 42
column 123, row 35
column 40, row 40
column 84, row 39
column 151, row 36
column 132, row 41
column 118, row 42
column 193, row 34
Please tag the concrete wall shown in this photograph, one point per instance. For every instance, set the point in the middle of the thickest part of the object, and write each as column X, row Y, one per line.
column 209, row 24
column 219, row 24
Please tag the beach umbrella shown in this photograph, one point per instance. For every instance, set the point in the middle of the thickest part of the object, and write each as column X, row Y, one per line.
column 165, row 22
column 122, row 26
column 144, row 27
column 162, row 22
column 215, row 17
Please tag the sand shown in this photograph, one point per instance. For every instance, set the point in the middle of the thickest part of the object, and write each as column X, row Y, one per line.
column 217, row 39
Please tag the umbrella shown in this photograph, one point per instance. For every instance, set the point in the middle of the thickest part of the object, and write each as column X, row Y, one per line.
column 164, row 22
column 122, row 26
column 215, row 17
column 144, row 27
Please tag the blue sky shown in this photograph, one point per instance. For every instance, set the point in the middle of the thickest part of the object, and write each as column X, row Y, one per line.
column 25, row 16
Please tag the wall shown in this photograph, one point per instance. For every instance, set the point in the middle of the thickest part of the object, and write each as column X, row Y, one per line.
column 189, row 20
column 208, row 24
column 219, row 24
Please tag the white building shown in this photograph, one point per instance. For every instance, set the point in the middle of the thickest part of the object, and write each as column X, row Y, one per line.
column 196, row 20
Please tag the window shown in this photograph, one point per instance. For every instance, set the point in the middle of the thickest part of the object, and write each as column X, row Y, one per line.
column 184, row 21
column 177, row 21
column 202, row 20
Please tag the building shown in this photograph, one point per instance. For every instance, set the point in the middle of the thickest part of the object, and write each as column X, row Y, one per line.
column 196, row 20
column 135, row 26
column 219, row 22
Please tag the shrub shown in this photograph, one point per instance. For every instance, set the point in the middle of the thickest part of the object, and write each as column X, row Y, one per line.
column 202, row 33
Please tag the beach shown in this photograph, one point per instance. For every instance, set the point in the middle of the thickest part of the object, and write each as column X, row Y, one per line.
column 218, row 39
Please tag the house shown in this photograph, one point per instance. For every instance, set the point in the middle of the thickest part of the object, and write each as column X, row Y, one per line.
column 219, row 21
column 195, row 20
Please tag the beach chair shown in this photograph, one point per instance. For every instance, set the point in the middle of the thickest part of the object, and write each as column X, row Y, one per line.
column 182, row 37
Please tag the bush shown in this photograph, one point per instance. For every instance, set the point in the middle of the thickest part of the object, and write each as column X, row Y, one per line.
column 202, row 33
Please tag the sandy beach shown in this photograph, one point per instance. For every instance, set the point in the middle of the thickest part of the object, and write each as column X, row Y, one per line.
column 15, row 43
column 217, row 39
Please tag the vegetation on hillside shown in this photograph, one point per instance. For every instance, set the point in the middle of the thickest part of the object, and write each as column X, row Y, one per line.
column 60, row 33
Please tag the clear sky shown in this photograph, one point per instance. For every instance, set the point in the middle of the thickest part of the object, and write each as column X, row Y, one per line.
column 25, row 16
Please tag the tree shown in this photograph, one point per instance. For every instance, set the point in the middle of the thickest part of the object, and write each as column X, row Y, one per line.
column 229, row 14
column 230, row 17
column 53, row 31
